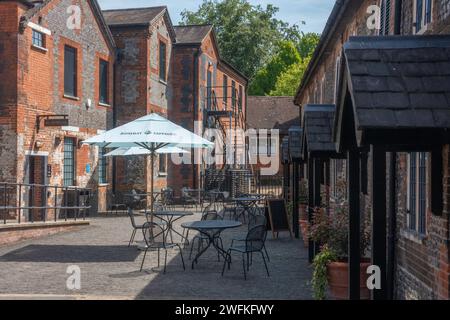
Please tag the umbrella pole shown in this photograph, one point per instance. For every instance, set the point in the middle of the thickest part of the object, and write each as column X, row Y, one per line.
column 151, row 186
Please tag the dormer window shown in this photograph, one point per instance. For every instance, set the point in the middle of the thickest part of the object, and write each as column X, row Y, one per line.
column 38, row 39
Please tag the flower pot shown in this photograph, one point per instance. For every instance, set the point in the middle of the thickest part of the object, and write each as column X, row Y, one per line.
column 303, row 212
column 338, row 280
column 304, row 226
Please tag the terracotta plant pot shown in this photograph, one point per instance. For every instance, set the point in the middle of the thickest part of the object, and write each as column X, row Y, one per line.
column 304, row 227
column 338, row 280
column 303, row 212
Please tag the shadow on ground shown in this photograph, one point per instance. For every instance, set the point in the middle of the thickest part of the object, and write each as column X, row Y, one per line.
column 71, row 254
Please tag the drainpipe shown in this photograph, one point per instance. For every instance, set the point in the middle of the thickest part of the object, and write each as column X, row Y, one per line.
column 196, row 105
column 114, row 163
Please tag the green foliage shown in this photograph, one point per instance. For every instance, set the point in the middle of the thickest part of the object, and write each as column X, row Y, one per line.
column 287, row 83
column 266, row 77
column 320, row 278
column 247, row 35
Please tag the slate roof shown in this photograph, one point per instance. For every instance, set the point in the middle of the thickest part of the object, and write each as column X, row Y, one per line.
column 133, row 16
column 272, row 113
column 193, row 34
column 318, row 123
column 399, row 82
column 295, row 142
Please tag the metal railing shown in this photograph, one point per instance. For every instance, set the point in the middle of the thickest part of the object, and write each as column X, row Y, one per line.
column 242, row 181
column 21, row 202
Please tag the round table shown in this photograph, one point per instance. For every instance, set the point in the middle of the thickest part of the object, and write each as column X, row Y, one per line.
column 211, row 229
column 246, row 203
column 169, row 217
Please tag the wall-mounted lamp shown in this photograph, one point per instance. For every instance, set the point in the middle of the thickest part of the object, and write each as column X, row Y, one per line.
column 38, row 144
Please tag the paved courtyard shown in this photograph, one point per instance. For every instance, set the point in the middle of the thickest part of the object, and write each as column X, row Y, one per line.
column 110, row 269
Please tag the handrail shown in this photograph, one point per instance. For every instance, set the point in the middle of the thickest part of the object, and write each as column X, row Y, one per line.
column 38, row 197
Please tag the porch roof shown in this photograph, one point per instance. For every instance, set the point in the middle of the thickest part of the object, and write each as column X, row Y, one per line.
column 318, row 123
column 399, row 82
column 295, row 143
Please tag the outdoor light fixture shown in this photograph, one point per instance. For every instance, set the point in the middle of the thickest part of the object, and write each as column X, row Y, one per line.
column 38, row 144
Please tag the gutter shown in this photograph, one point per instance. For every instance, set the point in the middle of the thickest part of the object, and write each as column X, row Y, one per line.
column 196, row 104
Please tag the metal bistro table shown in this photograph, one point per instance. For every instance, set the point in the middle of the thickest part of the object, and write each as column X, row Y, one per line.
column 246, row 203
column 170, row 217
column 211, row 229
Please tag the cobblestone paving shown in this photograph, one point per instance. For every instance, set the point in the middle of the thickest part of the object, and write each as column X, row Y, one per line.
column 110, row 269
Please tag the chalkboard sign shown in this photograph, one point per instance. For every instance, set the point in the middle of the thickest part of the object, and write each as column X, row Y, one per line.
column 277, row 217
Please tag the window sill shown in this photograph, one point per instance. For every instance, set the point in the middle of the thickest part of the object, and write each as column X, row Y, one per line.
column 162, row 175
column 413, row 236
column 38, row 48
column 103, row 184
column 66, row 96
column 106, row 105
column 163, row 82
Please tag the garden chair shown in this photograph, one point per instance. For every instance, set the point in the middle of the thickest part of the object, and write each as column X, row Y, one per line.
column 158, row 243
column 254, row 243
column 258, row 219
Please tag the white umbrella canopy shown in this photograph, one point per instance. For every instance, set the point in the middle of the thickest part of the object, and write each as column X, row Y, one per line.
column 151, row 132
column 138, row 151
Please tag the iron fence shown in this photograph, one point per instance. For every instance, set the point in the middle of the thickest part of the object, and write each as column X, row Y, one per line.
column 21, row 202
column 242, row 181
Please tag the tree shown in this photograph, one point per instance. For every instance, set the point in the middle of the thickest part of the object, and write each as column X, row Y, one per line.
column 288, row 82
column 266, row 78
column 247, row 35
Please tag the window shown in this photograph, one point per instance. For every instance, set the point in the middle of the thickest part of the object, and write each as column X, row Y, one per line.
column 423, row 14
column 38, row 39
column 104, row 73
column 209, row 89
column 417, row 191
column 69, row 162
column 102, row 166
column 240, row 98
column 225, row 91
column 162, row 164
column 385, row 17
column 70, row 71
column 162, row 61
column 233, row 95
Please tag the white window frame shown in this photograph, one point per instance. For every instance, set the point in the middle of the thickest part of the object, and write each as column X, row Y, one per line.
column 424, row 24
column 164, row 157
column 417, row 213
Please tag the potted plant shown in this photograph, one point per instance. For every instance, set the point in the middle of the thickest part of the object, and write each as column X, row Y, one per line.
column 331, row 264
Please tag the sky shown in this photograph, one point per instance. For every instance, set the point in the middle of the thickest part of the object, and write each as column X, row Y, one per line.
column 314, row 12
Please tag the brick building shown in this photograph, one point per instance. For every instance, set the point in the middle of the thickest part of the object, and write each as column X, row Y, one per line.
column 207, row 92
column 270, row 113
column 414, row 254
column 56, row 59
column 144, row 39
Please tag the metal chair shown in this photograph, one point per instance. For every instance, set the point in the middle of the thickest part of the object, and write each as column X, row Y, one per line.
column 134, row 225
column 254, row 242
column 153, row 243
column 254, row 221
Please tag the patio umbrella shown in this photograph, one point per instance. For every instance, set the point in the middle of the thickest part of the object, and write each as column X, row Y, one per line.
column 151, row 132
column 139, row 151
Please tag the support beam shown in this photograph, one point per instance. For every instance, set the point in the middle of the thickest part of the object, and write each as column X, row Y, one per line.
column 392, row 225
column 318, row 178
column 310, row 205
column 295, row 200
column 379, row 250
column 354, row 249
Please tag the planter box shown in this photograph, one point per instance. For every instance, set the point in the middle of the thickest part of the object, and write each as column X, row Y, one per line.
column 338, row 280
